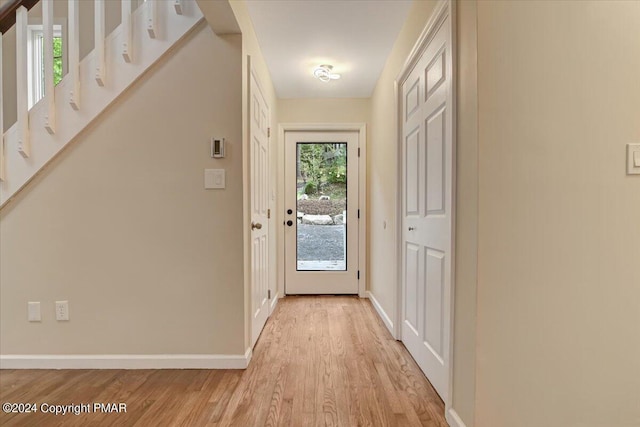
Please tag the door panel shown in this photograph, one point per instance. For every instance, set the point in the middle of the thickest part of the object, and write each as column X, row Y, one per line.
column 412, row 98
column 412, row 288
column 321, row 212
column 412, row 161
column 259, row 180
column 433, row 300
column 435, row 73
column 427, row 220
column 436, row 168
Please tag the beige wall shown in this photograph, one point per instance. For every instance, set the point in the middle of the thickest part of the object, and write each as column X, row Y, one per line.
column 559, row 250
column 324, row 110
column 121, row 227
column 251, row 48
column 466, row 262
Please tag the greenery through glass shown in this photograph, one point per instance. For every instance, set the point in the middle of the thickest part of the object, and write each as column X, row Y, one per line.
column 57, row 60
column 322, row 169
column 321, row 206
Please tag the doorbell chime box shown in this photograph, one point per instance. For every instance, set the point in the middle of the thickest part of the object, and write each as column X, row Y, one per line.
column 217, row 148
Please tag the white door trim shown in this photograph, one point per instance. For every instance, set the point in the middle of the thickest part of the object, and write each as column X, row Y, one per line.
column 444, row 9
column 361, row 128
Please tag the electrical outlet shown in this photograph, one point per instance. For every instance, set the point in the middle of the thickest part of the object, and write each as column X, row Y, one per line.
column 33, row 310
column 62, row 310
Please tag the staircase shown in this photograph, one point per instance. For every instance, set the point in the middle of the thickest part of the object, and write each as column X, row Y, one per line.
column 91, row 85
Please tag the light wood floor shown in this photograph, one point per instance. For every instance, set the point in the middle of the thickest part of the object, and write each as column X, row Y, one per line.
column 320, row 361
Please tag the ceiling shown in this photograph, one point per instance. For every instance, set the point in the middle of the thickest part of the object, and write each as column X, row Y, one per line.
column 355, row 36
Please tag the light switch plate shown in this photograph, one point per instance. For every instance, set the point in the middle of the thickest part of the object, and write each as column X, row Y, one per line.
column 214, row 179
column 633, row 159
column 33, row 309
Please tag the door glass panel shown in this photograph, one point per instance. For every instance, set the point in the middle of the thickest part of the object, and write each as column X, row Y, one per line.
column 321, row 189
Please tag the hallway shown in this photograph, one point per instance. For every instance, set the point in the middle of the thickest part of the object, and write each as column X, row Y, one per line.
column 319, row 361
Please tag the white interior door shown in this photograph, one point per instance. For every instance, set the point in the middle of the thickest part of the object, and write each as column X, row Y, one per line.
column 259, row 202
column 427, row 209
column 321, row 212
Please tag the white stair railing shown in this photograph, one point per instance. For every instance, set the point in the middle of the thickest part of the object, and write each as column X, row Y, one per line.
column 66, row 108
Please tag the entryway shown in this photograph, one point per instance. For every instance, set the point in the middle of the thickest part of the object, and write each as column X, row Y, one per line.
column 323, row 213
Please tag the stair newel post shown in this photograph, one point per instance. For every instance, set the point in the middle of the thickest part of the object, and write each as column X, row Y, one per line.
column 126, row 30
column 99, row 40
column 74, row 53
column 152, row 18
column 1, row 118
column 22, row 87
column 49, row 84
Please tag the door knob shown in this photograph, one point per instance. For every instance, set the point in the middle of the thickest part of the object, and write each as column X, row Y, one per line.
column 256, row 225
column 289, row 223
column 411, row 228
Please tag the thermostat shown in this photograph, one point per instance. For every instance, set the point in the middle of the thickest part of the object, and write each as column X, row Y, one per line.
column 217, row 148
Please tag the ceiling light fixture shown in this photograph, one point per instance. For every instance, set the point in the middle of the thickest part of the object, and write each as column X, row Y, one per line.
column 324, row 73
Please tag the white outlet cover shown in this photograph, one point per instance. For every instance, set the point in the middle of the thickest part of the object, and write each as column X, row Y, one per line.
column 33, row 310
column 62, row 310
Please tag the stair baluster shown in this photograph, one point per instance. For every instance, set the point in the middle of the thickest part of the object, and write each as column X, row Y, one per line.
column 126, row 30
column 152, row 18
column 49, row 84
column 22, row 88
column 99, row 41
column 177, row 5
column 74, row 53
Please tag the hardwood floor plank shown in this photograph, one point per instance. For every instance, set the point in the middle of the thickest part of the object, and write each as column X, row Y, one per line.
column 320, row 361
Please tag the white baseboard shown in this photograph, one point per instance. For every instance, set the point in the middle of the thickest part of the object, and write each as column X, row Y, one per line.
column 274, row 302
column 126, row 361
column 454, row 419
column 383, row 315
column 247, row 357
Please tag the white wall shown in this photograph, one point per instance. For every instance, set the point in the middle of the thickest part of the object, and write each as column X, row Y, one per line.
column 558, row 333
column 121, row 226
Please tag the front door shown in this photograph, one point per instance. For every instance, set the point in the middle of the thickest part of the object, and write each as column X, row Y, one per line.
column 321, row 212
column 259, row 202
column 427, row 220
